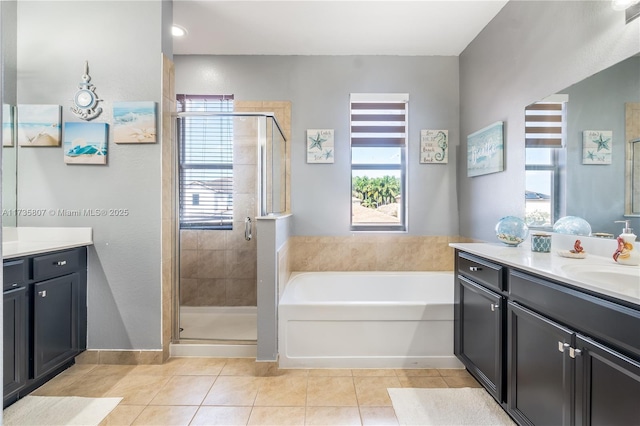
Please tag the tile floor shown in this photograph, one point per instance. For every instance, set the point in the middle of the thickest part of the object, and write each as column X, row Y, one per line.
column 216, row 391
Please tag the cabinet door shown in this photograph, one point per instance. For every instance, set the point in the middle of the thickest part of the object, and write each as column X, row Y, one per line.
column 14, row 341
column 479, row 334
column 540, row 369
column 55, row 322
column 607, row 386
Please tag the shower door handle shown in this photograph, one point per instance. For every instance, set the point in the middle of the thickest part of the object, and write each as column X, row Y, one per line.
column 247, row 229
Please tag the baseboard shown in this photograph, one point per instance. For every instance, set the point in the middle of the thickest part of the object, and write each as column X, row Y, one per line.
column 121, row 357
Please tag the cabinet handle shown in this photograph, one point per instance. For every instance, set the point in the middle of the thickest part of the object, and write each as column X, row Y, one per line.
column 60, row 263
column 42, row 293
column 574, row 352
column 563, row 346
column 475, row 268
column 495, row 307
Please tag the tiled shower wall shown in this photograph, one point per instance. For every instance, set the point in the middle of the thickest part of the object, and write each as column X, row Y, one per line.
column 219, row 268
column 365, row 253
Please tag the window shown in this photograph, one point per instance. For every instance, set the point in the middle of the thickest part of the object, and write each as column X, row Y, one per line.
column 378, row 161
column 205, row 162
column 544, row 141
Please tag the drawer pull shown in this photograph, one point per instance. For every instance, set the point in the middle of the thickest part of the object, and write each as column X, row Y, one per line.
column 562, row 346
column 475, row 268
column 495, row 307
column 574, row 352
column 42, row 293
column 60, row 263
column 14, row 285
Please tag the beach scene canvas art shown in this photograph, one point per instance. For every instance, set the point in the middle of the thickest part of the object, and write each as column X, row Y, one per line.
column 39, row 125
column 485, row 150
column 134, row 122
column 85, row 143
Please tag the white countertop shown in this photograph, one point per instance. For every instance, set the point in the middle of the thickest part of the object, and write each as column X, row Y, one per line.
column 563, row 269
column 23, row 241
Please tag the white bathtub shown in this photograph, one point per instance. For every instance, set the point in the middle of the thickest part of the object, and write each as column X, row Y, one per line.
column 367, row 320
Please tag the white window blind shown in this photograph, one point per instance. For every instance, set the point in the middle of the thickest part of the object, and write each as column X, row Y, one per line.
column 545, row 125
column 206, row 162
column 379, row 126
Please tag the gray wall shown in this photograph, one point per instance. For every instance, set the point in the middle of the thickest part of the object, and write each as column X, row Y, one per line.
column 596, row 193
column 122, row 42
column 528, row 51
column 8, row 9
column 319, row 88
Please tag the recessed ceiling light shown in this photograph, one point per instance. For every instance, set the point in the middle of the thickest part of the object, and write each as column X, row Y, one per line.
column 178, row 31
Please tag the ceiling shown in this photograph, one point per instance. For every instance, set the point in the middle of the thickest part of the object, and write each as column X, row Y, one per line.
column 329, row 27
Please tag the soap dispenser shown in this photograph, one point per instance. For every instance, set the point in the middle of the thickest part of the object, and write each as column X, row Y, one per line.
column 627, row 252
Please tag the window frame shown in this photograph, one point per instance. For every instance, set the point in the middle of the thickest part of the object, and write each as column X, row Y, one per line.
column 401, row 226
column 182, row 101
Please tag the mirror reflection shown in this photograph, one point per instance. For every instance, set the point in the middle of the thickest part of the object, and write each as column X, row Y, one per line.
column 578, row 148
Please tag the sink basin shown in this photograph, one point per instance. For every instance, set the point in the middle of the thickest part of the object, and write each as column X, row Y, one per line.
column 621, row 279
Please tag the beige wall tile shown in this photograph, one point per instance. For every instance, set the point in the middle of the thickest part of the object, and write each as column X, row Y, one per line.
column 209, row 239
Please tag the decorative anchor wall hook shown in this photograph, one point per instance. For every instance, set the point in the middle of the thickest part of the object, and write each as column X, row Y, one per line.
column 85, row 100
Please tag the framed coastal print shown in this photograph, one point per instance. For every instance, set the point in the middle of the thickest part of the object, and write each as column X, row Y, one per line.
column 320, row 147
column 434, row 146
column 485, row 150
column 134, row 122
column 85, row 143
column 39, row 125
column 596, row 146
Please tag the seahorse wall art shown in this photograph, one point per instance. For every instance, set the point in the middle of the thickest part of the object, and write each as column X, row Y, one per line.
column 434, row 146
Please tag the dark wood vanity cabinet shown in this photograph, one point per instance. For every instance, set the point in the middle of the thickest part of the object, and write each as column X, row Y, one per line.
column 570, row 357
column 45, row 318
column 479, row 331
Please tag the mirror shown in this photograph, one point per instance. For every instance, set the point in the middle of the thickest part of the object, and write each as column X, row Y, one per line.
column 8, row 35
column 592, row 172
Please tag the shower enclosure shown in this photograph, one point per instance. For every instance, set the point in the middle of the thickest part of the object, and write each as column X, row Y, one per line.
column 231, row 169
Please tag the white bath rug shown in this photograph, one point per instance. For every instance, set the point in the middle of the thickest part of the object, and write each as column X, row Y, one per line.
column 460, row 406
column 54, row 410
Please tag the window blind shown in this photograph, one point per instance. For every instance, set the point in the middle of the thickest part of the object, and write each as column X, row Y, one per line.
column 379, row 119
column 544, row 125
column 206, row 162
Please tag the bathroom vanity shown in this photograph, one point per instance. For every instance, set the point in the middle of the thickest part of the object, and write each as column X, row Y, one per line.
column 45, row 308
column 553, row 340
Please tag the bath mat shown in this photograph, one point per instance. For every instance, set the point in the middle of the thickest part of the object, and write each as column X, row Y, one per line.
column 54, row 410
column 460, row 406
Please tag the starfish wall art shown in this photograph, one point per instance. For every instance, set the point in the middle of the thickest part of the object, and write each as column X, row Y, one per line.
column 320, row 147
column 596, row 146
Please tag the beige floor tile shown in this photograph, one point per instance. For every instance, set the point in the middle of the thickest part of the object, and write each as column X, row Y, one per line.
column 453, row 372
column 239, row 367
column 137, row 389
column 58, row 385
column 423, row 382
column 373, row 390
column 92, row 386
column 329, row 416
column 413, row 372
column 293, row 372
column 283, row 391
column 110, row 370
column 335, row 372
column 199, row 366
column 269, row 416
column 79, row 369
column 378, row 416
column 462, row 382
column 123, row 415
column 227, row 416
column 155, row 415
column 374, row 372
column 331, row 392
column 233, row 390
column 184, row 390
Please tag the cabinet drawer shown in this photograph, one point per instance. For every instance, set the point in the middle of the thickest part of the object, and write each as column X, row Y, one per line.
column 14, row 273
column 56, row 264
column 598, row 318
column 481, row 271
